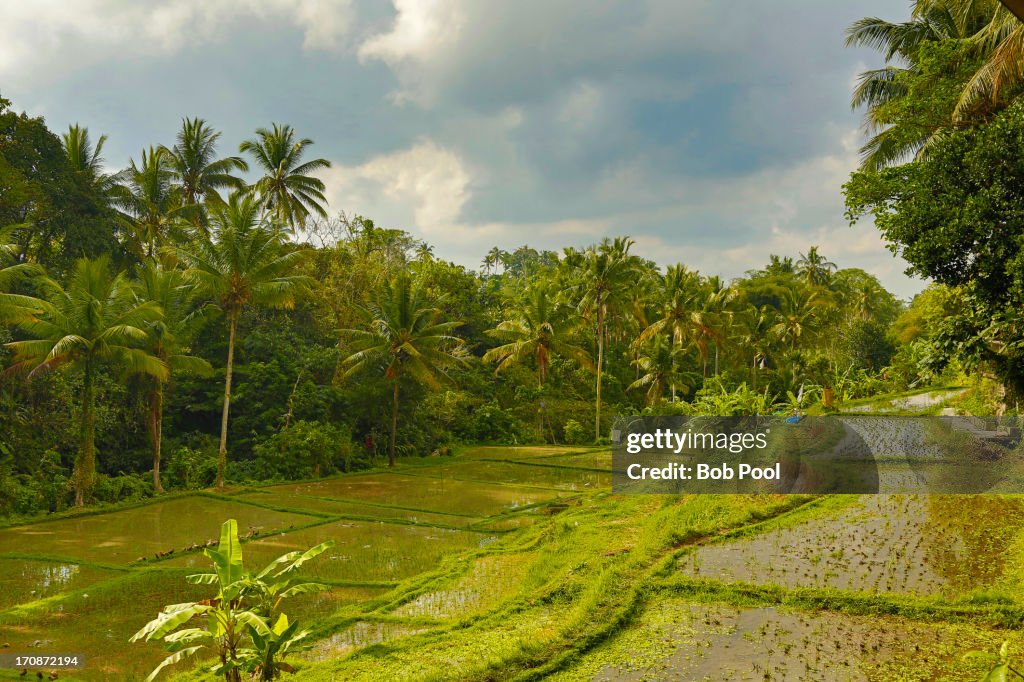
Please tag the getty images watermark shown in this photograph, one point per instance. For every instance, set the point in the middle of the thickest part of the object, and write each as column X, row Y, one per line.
column 848, row 454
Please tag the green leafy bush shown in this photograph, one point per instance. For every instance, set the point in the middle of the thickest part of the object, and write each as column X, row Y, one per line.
column 492, row 424
column 303, row 450
column 126, row 487
column 574, row 433
column 191, row 468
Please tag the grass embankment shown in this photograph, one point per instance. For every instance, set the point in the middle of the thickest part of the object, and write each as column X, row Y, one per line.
column 585, row 575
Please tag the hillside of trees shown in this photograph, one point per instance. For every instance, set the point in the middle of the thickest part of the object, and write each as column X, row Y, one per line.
column 200, row 318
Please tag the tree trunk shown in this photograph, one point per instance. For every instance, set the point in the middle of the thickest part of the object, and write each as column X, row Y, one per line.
column 600, row 362
column 156, row 429
column 84, row 475
column 222, row 455
column 394, row 426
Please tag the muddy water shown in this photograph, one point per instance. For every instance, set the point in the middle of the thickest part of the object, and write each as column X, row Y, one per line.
column 357, row 636
column 491, row 580
column 361, row 508
column 562, row 478
column 122, row 537
column 423, row 493
column 24, row 581
column 363, row 550
column 678, row 641
column 879, row 543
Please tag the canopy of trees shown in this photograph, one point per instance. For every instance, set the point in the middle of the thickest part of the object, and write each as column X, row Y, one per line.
column 201, row 317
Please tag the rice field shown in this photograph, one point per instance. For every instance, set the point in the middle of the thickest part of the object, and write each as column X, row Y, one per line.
column 504, row 563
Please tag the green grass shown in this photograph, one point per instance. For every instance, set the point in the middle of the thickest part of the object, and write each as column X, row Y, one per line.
column 484, row 578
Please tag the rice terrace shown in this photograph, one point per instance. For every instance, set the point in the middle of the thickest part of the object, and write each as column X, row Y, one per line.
column 518, row 562
column 476, row 341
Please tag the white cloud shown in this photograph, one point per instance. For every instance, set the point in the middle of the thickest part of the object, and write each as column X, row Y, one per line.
column 50, row 31
column 420, row 28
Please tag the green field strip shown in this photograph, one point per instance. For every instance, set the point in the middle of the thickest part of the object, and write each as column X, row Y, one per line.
column 523, row 486
column 60, row 559
column 75, row 513
column 533, row 463
column 1001, row 614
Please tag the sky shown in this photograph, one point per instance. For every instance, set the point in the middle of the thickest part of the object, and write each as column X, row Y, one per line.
column 714, row 132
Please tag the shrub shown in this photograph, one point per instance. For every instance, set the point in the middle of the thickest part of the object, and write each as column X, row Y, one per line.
column 303, row 450
column 574, row 433
column 191, row 468
column 122, row 488
column 492, row 424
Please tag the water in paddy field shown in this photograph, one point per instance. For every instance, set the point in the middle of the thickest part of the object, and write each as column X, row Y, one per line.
column 103, row 579
column 926, row 545
column 679, row 641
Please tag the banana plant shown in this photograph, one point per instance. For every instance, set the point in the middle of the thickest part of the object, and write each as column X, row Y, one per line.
column 1002, row 671
column 238, row 619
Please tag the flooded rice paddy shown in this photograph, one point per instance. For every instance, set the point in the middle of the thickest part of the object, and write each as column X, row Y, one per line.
column 86, row 583
column 928, row 545
column 433, row 547
column 468, row 498
column 675, row 640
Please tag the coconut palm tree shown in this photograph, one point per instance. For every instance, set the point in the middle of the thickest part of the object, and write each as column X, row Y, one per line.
column 536, row 333
column 993, row 32
column 798, row 316
column 154, row 204
column 814, row 268
column 14, row 307
column 754, row 333
column 603, row 276
column 287, row 189
column 661, row 367
column 678, row 289
column 96, row 320
column 168, row 339
column 194, row 165
column 245, row 262
column 86, row 158
column 403, row 337
column 901, row 45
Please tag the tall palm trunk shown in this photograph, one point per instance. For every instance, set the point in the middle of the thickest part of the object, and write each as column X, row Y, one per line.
column 222, row 454
column 156, row 428
column 394, row 426
column 85, row 464
column 600, row 362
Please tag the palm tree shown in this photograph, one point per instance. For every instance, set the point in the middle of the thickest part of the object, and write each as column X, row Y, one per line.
column 168, row 339
column 96, row 320
column 754, row 326
column 404, row 337
column 661, row 368
column 710, row 320
column 797, row 317
column 148, row 194
column 14, row 307
column 678, row 289
column 286, row 188
column 425, row 253
column 493, row 259
column 813, row 267
column 996, row 34
column 604, row 275
column 83, row 156
column 900, row 44
column 195, row 167
column 244, row 262
column 534, row 333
